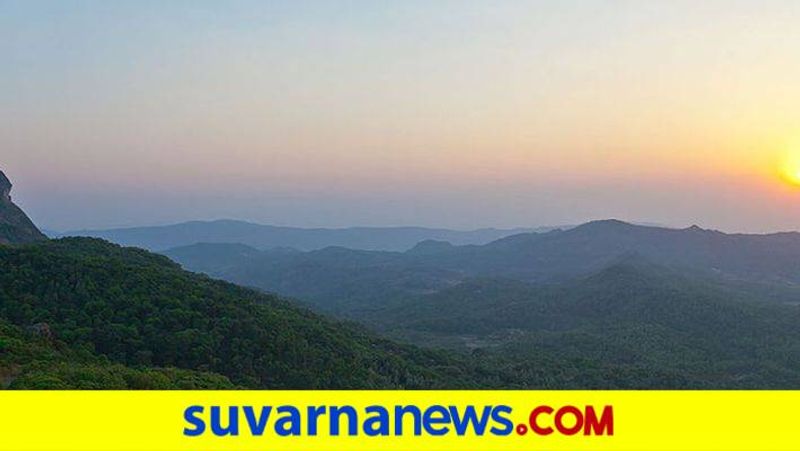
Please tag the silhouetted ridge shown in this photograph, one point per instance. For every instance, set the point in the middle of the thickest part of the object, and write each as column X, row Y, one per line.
column 15, row 226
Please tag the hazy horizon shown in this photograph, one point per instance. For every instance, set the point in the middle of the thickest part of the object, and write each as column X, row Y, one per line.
column 421, row 226
column 212, row 220
column 459, row 115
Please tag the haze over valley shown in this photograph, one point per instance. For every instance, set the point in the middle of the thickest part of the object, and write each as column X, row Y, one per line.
column 267, row 236
column 606, row 304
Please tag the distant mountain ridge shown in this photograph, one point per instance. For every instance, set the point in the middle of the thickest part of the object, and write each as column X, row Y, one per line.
column 159, row 238
column 764, row 257
column 15, row 226
column 346, row 280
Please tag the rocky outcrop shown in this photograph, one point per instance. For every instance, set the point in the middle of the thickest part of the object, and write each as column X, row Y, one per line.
column 42, row 330
column 5, row 188
column 15, row 226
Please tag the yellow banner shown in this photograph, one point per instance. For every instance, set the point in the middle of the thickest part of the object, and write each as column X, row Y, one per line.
column 401, row 421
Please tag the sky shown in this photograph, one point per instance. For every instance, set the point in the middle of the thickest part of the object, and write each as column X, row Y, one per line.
column 460, row 114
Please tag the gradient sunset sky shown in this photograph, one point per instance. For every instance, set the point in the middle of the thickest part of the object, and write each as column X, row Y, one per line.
column 460, row 114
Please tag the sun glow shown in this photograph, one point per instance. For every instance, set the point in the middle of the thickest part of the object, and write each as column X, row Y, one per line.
column 791, row 169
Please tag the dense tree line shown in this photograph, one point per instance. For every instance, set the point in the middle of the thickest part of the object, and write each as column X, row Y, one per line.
column 31, row 361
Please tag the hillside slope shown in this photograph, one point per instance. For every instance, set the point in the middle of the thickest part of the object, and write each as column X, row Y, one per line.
column 140, row 309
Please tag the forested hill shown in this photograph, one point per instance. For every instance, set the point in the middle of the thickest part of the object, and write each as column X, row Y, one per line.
column 632, row 314
column 114, row 305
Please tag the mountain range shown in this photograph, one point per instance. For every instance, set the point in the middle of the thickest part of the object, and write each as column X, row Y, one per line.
column 687, row 307
column 260, row 236
column 337, row 279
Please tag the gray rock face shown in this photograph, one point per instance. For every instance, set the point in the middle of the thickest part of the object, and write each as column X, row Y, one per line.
column 42, row 330
column 5, row 188
column 15, row 226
